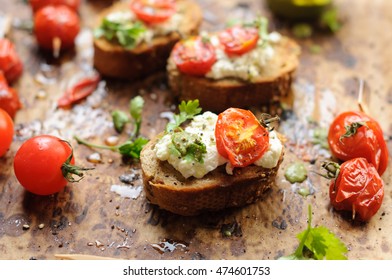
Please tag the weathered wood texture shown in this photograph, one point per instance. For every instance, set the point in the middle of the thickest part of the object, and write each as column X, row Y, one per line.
column 88, row 218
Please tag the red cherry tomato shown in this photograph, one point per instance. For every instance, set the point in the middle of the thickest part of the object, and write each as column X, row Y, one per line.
column 193, row 56
column 239, row 40
column 43, row 164
column 80, row 90
column 358, row 188
column 354, row 134
column 38, row 4
column 6, row 132
column 240, row 137
column 10, row 63
column 9, row 99
column 153, row 11
column 52, row 22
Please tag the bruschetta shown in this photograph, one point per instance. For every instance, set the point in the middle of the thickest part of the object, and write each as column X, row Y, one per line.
column 242, row 66
column 214, row 162
column 133, row 40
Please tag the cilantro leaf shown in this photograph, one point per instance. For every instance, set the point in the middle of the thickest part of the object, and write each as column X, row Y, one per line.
column 134, row 145
column 188, row 146
column 133, row 148
column 120, row 119
column 318, row 243
column 188, row 110
column 124, row 32
column 135, row 108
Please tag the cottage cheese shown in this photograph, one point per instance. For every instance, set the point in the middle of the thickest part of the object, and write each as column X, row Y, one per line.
column 246, row 66
column 161, row 29
column 204, row 126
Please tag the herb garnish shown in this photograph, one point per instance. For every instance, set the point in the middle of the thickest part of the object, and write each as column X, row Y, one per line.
column 187, row 111
column 126, row 33
column 184, row 144
column 134, row 145
column 318, row 243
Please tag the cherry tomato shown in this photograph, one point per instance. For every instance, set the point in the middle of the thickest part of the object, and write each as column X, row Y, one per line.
column 153, row 11
column 52, row 22
column 6, row 132
column 38, row 4
column 10, row 63
column 358, row 188
column 43, row 164
column 194, row 56
column 240, row 137
column 80, row 90
column 238, row 40
column 9, row 99
column 354, row 134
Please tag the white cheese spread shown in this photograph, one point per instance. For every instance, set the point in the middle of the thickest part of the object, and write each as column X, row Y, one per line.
column 152, row 30
column 204, row 126
column 246, row 66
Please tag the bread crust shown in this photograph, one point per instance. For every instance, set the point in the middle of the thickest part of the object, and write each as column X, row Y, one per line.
column 112, row 60
column 166, row 187
column 218, row 95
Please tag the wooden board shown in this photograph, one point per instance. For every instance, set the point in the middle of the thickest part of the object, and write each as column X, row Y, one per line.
column 89, row 218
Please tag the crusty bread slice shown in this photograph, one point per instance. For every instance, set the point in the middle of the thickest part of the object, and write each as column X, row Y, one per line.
column 218, row 95
column 112, row 60
column 167, row 188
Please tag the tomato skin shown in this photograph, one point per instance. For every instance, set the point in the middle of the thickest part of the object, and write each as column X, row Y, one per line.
column 38, row 4
column 38, row 162
column 6, row 132
column 193, row 56
column 80, row 90
column 10, row 63
column 56, row 21
column 367, row 142
column 238, row 40
column 358, row 188
column 9, row 99
column 153, row 11
column 240, row 137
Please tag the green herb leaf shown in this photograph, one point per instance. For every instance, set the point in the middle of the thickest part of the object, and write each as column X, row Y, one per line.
column 124, row 32
column 189, row 146
column 318, row 243
column 133, row 148
column 187, row 111
column 136, row 108
column 120, row 119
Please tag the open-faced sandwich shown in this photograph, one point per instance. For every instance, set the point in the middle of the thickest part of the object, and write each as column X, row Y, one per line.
column 133, row 39
column 241, row 66
column 212, row 162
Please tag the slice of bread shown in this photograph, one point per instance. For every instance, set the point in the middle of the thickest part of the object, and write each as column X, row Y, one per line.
column 167, row 188
column 218, row 95
column 113, row 60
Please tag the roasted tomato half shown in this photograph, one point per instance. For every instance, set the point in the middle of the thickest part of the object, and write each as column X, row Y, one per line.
column 194, row 56
column 239, row 40
column 240, row 137
column 153, row 11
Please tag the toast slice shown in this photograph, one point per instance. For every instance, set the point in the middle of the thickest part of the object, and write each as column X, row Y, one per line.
column 219, row 94
column 167, row 188
column 113, row 60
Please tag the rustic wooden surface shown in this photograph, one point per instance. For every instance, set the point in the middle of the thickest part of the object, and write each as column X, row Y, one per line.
column 88, row 218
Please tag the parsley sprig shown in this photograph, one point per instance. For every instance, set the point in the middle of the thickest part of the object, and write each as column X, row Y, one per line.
column 126, row 33
column 318, row 243
column 134, row 145
column 184, row 144
column 188, row 110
